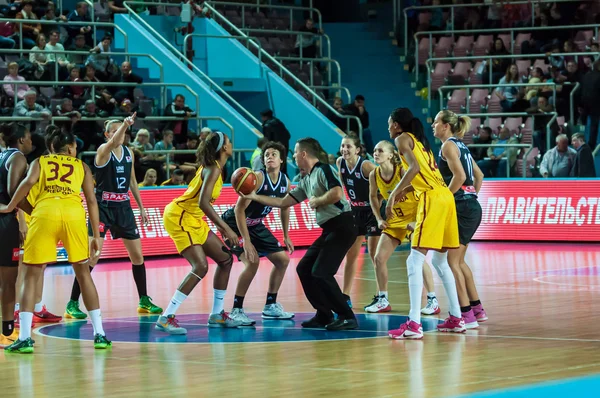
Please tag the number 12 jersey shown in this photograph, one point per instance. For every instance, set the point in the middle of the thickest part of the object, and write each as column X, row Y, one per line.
column 113, row 178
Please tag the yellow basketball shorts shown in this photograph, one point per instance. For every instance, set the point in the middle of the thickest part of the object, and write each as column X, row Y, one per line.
column 437, row 225
column 185, row 229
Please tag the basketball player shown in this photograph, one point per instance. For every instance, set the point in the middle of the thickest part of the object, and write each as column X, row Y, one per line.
column 323, row 258
column 436, row 224
column 13, row 167
column 59, row 215
column 354, row 172
column 247, row 221
column 115, row 176
column 194, row 239
column 464, row 179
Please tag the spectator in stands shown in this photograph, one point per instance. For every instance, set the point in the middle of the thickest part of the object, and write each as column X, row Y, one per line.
column 275, row 130
column 89, row 131
column 558, row 161
column 40, row 59
column 104, row 65
column 485, row 137
column 535, row 76
column 80, row 14
column 79, row 45
column 590, row 100
column 166, row 144
column 541, row 41
column 339, row 122
column 117, row 7
column 188, row 163
column 571, row 76
column 177, row 178
column 357, row 108
column 306, row 44
column 499, row 65
column 204, row 133
column 256, row 160
column 595, row 51
column 29, row 108
column 7, row 40
column 127, row 108
column 75, row 93
column 57, row 54
column 50, row 15
column 126, row 76
column 540, row 122
column 508, row 94
column 437, row 18
column 66, row 109
column 499, row 155
column 584, row 161
column 149, row 179
column 494, row 14
column 90, row 76
column 178, row 108
column 30, row 30
column 13, row 76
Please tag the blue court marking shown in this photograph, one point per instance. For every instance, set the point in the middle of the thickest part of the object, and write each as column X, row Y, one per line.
column 141, row 330
column 580, row 387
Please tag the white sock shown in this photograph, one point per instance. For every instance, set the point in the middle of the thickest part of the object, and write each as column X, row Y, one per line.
column 96, row 317
column 25, row 320
column 16, row 306
column 440, row 263
column 38, row 307
column 384, row 294
column 175, row 302
column 218, row 301
column 431, row 295
column 414, row 266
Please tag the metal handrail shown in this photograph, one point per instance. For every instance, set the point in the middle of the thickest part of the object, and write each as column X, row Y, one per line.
column 246, row 38
column 530, row 146
column 109, row 84
column 294, row 32
column 469, row 87
column 493, row 31
column 453, row 6
column 84, row 23
column 313, row 60
column 334, row 88
column 290, row 8
column 572, row 103
column 298, row 81
column 92, row 16
column 212, row 85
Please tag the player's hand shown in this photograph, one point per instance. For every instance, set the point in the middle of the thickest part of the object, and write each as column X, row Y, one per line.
column 230, row 237
column 250, row 252
column 411, row 226
column 94, row 250
column 144, row 217
column 289, row 244
column 251, row 196
column 129, row 121
column 382, row 224
column 314, row 202
column 23, row 229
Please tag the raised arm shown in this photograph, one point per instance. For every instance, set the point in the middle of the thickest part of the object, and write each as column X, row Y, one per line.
column 289, row 200
column 452, row 155
column 104, row 151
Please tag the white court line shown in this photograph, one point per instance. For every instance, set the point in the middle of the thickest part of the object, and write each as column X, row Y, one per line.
column 574, row 285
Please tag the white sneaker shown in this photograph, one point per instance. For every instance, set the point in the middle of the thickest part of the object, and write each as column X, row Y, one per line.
column 381, row 305
column 432, row 307
column 238, row 314
column 275, row 311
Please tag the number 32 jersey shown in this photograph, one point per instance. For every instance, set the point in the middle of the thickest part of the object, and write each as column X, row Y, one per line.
column 405, row 208
column 113, row 178
column 61, row 177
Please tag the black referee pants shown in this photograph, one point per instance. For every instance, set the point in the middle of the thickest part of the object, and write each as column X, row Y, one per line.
column 322, row 261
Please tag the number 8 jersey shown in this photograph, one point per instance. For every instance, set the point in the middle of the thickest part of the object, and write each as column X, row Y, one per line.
column 113, row 178
column 61, row 177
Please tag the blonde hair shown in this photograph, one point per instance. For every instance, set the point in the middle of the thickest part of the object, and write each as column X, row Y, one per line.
column 148, row 172
column 13, row 64
column 109, row 123
column 390, row 147
column 459, row 125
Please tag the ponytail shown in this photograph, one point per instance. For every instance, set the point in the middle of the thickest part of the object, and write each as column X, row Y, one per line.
column 57, row 139
column 410, row 124
column 209, row 149
column 463, row 124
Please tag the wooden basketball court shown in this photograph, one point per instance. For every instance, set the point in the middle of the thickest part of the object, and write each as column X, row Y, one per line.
column 540, row 298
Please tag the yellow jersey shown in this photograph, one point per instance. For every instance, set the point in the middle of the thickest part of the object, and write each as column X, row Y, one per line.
column 189, row 200
column 429, row 177
column 405, row 206
column 61, row 177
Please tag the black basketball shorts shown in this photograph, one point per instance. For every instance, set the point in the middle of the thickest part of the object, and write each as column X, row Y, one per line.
column 366, row 222
column 119, row 220
column 261, row 238
column 10, row 242
column 469, row 215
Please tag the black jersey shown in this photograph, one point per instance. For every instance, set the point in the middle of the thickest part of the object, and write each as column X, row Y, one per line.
column 113, row 178
column 255, row 211
column 4, row 158
column 356, row 184
column 467, row 190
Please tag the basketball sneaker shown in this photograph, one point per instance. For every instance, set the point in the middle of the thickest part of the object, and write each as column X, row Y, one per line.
column 18, row 325
column 432, row 307
column 146, row 306
column 375, row 300
column 342, row 324
column 381, row 305
column 470, row 320
column 222, row 320
column 101, row 342
column 275, row 311
column 5, row 341
column 73, row 311
column 169, row 324
column 452, row 324
column 479, row 312
column 45, row 316
column 21, row 346
column 238, row 314
column 407, row 331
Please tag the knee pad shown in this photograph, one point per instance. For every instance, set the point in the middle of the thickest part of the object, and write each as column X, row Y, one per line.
column 440, row 263
column 414, row 263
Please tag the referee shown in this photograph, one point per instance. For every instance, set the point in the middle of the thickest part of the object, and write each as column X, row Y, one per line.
column 322, row 260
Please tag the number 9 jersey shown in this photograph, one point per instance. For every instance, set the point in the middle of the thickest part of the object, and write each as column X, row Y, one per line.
column 405, row 208
column 58, row 214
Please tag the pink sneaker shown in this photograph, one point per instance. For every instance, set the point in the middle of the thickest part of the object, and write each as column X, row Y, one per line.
column 479, row 312
column 470, row 320
column 452, row 324
column 407, row 331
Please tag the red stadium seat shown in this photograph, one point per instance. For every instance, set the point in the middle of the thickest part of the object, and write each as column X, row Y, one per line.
column 478, row 100
column 482, row 44
column 463, row 46
column 438, row 77
column 457, row 101
column 443, row 47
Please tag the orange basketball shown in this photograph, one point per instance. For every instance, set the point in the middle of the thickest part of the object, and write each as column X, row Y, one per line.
column 243, row 180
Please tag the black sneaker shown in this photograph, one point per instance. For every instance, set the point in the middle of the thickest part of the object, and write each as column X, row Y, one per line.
column 342, row 324
column 314, row 323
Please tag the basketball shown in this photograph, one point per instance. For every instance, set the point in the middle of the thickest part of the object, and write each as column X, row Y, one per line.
column 243, row 180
